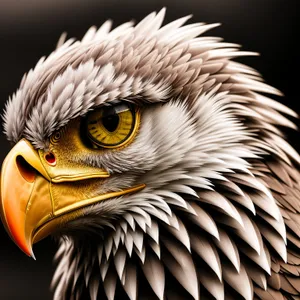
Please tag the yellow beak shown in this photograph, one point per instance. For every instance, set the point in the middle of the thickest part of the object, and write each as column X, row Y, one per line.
column 37, row 199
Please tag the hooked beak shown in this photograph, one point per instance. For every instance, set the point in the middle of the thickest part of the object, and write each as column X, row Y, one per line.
column 37, row 199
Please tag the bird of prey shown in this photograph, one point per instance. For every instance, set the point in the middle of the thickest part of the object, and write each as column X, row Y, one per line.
column 159, row 164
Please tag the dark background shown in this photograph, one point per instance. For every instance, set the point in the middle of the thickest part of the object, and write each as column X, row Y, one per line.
column 30, row 29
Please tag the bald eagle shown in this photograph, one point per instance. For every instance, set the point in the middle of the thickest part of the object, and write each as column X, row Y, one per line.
column 158, row 163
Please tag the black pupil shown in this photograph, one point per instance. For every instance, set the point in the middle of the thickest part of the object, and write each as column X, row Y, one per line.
column 110, row 120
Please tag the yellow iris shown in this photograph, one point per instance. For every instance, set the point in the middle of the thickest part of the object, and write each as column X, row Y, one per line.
column 112, row 126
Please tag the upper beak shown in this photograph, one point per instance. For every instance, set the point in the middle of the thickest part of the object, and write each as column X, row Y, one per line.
column 20, row 179
column 36, row 199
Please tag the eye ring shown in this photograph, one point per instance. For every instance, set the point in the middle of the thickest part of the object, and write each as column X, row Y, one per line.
column 113, row 127
column 55, row 137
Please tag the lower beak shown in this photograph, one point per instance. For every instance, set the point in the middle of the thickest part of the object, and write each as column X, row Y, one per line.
column 34, row 205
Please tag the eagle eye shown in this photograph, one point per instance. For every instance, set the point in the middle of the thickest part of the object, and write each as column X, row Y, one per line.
column 112, row 126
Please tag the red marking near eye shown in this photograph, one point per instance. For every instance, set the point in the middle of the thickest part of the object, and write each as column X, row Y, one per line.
column 50, row 158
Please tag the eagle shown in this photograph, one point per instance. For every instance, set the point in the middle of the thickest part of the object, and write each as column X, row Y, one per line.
column 159, row 163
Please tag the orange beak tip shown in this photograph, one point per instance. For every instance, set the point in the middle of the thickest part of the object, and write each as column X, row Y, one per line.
column 28, row 251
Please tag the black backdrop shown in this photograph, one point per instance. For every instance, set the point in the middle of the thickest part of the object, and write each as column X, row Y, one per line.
column 29, row 29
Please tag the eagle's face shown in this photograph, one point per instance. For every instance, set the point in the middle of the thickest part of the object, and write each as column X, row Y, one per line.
column 154, row 159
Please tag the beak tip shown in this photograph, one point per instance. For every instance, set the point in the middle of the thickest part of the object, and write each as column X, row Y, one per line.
column 28, row 250
column 29, row 253
column 32, row 254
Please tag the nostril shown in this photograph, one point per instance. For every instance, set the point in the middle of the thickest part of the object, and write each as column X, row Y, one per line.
column 50, row 158
column 26, row 170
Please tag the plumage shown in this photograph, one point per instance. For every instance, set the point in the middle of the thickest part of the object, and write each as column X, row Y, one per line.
column 219, row 216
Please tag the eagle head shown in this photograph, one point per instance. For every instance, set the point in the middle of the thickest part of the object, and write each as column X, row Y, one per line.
column 159, row 165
